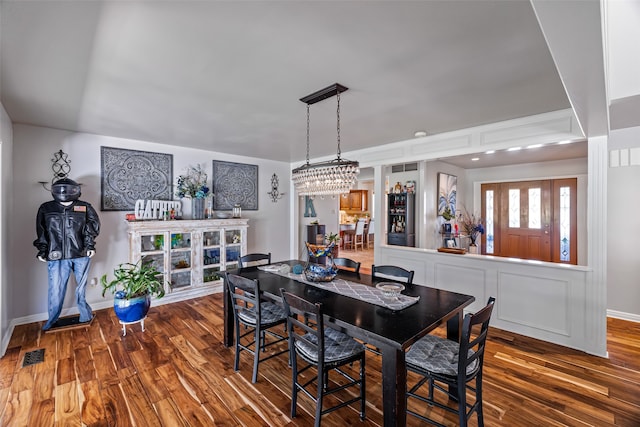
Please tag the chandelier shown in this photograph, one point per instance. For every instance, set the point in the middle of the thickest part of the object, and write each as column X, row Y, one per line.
column 332, row 177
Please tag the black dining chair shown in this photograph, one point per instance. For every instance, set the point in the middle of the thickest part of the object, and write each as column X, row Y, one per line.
column 254, row 258
column 393, row 272
column 347, row 262
column 257, row 317
column 324, row 348
column 452, row 364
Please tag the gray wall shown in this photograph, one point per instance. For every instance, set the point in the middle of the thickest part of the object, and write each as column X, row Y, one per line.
column 623, row 260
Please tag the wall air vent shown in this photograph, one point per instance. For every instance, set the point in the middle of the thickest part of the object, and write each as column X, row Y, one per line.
column 406, row 167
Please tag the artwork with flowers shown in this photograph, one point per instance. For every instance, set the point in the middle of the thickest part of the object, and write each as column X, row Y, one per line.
column 193, row 184
column 470, row 225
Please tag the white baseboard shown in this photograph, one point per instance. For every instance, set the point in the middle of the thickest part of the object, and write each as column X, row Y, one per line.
column 624, row 316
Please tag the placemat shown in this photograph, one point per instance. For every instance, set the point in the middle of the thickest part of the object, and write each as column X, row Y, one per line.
column 347, row 288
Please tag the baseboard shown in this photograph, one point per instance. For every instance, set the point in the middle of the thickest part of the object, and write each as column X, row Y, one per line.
column 624, row 316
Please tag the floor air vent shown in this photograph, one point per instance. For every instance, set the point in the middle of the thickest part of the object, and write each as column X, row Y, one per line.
column 33, row 357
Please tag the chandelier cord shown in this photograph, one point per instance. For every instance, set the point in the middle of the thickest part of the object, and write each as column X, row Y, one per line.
column 338, row 123
column 308, row 121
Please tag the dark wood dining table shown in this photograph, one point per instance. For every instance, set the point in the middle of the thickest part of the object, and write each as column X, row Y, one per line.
column 390, row 331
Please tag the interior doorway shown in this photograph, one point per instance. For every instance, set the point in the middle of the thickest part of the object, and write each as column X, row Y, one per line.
column 363, row 256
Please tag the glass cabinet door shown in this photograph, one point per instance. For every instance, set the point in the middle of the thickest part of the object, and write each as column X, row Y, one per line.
column 151, row 243
column 211, row 256
column 233, row 248
column 180, row 259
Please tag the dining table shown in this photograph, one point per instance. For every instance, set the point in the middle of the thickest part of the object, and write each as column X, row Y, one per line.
column 391, row 331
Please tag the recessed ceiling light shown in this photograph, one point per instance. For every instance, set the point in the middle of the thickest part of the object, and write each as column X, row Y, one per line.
column 534, row 146
column 475, row 159
column 420, row 134
column 514, row 149
column 490, row 152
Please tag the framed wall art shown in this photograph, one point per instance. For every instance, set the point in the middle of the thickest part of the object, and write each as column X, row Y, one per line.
column 235, row 183
column 447, row 193
column 129, row 175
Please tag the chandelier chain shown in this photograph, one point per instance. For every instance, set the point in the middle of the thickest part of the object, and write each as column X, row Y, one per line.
column 308, row 122
column 338, row 125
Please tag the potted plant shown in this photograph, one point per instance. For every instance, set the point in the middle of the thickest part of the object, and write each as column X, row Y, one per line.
column 133, row 286
column 333, row 238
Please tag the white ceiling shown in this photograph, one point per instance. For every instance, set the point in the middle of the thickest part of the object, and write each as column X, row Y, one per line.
column 227, row 76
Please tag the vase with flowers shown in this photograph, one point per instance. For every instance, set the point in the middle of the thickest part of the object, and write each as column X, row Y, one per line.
column 472, row 227
column 193, row 185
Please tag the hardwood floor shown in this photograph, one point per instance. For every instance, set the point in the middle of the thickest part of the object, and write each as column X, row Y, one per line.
column 178, row 373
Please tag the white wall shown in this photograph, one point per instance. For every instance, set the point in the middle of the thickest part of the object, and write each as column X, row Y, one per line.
column 623, row 31
column 6, row 213
column 623, row 261
column 33, row 149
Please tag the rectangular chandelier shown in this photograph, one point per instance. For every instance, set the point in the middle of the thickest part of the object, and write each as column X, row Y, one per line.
column 332, row 177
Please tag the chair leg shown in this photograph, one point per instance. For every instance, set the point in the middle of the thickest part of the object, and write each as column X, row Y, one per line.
column 294, row 382
column 462, row 403
column 256, row 354
column 363, row 401
column 479, row 400
column 236, row 361
column 321, row 389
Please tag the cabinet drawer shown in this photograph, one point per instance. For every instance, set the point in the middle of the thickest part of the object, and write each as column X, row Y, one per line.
column 396, row 239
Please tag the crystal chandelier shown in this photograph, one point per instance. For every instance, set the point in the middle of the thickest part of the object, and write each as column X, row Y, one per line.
column 332, row 177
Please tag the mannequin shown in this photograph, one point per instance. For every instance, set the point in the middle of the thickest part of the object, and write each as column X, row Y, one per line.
column 66, row 229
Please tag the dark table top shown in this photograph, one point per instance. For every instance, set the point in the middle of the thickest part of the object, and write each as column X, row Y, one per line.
column 376, row 325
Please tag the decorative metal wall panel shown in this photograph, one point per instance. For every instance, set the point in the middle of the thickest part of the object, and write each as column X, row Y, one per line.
column 129, row 175
column 235, row 183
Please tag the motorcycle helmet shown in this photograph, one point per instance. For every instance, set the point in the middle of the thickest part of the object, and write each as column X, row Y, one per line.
column 65, row 190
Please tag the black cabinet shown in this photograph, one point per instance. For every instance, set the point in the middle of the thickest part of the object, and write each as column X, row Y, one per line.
column 401, row 219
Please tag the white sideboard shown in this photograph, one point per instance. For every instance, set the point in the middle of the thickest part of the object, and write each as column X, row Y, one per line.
column 191, row 254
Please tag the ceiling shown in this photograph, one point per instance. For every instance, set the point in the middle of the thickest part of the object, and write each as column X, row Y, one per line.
column 227, row 76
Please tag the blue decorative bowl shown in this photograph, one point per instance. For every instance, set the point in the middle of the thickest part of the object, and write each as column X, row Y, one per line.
column 132, row 309
column 320, row 273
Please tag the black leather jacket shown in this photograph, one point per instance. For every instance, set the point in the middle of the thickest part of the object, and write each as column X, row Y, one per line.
column 66, row 232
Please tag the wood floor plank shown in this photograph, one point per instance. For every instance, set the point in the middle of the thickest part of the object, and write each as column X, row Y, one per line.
column 169, row 414
column 66, row 371
column 92, row 409
column 43, row 413
column 67, row 404
column 139, row 405
column 178, row 373
column 17, row 409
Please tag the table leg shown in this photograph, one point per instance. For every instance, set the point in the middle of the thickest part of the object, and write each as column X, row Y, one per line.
column 453, row 327
column 227, row 315
column 394, row 387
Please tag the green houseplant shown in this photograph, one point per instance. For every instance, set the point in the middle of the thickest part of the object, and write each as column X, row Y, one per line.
column 133, row 286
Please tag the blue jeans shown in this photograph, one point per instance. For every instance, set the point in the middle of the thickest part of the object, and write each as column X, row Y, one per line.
column 59, row 272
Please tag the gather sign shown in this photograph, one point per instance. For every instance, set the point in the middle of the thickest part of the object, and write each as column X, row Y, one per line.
column 155, row 209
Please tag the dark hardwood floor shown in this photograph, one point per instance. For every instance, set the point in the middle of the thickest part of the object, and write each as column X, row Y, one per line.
column 178, row 373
